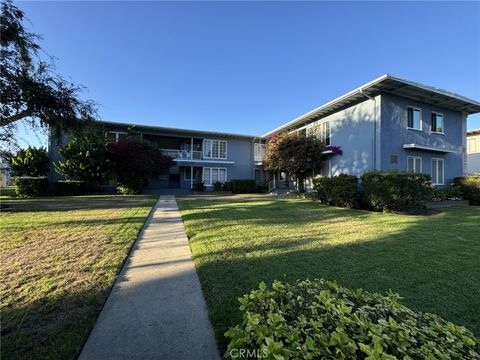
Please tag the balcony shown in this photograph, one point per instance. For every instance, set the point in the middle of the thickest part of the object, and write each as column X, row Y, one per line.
column 183, row 154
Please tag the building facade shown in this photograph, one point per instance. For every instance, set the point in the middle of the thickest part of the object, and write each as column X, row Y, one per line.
column 199, row 156
column 386, row 124
column 473, row 152
column 392, row 124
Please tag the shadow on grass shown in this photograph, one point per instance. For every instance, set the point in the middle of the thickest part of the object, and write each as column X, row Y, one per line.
column 431, row 261
column 53, row 327
column 67, row 203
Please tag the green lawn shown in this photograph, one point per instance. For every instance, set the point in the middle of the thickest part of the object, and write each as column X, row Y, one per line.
column 238, row 241
column 58, row 260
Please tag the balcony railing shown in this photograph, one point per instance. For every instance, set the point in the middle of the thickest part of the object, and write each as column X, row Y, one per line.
column 183, row 154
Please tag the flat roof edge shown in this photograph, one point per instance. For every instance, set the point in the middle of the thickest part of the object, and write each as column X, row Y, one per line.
column 179, row 130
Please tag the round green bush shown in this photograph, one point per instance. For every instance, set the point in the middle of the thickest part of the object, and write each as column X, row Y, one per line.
column 29, row 186
column 321, row 320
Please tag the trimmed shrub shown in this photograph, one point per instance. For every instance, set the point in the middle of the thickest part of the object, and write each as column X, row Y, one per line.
column 470, row 187
column 450, row 192
column 227, row 186
column 243, row 186
column 30, row 186
column 321, row 320
column 200, row 186
column 341, row 190
column 132, row 186
column 69, row 188
column 262, row 189
column 396, row 191
column 217, row 186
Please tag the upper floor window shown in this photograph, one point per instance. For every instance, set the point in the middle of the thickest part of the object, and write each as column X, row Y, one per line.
column 214, row 149
column 259, row 151
column 414, row 164
column 437, row 123
column 115, row 136
column 414, row 118
column 324, row 132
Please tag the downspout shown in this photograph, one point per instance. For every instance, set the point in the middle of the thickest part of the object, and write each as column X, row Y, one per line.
column 374, row 141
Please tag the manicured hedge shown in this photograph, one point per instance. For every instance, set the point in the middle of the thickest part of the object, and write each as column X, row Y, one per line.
column 242, row 186
column 69, row 188
column 470, row 187
column 320, row 320
column 31, row 186
column 396, row 191
column 341, row 190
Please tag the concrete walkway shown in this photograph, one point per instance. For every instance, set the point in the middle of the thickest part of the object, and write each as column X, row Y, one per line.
column 156, row 308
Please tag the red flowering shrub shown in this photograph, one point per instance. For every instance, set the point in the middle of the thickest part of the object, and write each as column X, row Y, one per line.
column 134, row 162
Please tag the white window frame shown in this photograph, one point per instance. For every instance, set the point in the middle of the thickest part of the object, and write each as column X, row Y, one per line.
column 323, row 133
column 436, row 170
column 117, row 134
column 414, row 160
column 259, row 151
column 329, row 168
column 421, row 118
column 210, row 183
column 443, row 123
column 211, row 148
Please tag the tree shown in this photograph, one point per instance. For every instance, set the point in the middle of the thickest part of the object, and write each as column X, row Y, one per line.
column 134, row 162
column 85, row 157
column 30, row 162
column 30, row 90
column 294, row 154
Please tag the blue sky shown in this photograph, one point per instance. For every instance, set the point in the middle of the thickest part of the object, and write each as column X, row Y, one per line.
column 250, row 67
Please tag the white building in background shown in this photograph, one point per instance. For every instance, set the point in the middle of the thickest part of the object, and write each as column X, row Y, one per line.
column 473, row 151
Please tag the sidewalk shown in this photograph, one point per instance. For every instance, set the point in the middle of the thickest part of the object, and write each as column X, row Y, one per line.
column 156, row 308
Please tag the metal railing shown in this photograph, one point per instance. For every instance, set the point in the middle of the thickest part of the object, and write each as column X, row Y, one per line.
column 183, row 154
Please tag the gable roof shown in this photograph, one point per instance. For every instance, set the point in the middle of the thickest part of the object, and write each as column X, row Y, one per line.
column 392, row 85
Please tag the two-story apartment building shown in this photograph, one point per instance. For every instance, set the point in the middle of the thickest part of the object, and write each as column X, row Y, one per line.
column 473, row 151
column 388, row 123
column 200, row 156
column 392, row 123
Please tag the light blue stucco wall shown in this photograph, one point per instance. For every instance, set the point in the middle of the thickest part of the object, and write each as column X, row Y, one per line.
column 239, row 151
column 394, row 134
column 355, row 129
column 239, row 156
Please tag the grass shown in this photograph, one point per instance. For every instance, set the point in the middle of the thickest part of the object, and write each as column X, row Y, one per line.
column 59, row 258
column 238, row 241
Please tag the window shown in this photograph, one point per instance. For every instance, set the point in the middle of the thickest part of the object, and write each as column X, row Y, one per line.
column 414, row 164
column 471, row 146
column 214, row 149
column 324, row 132
column 212, row 175
column 282, row 176
column 414, row 118
column 259, row 151
column 115, row 136
column 437, row 171
column 437, row 123
column 326, row 169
